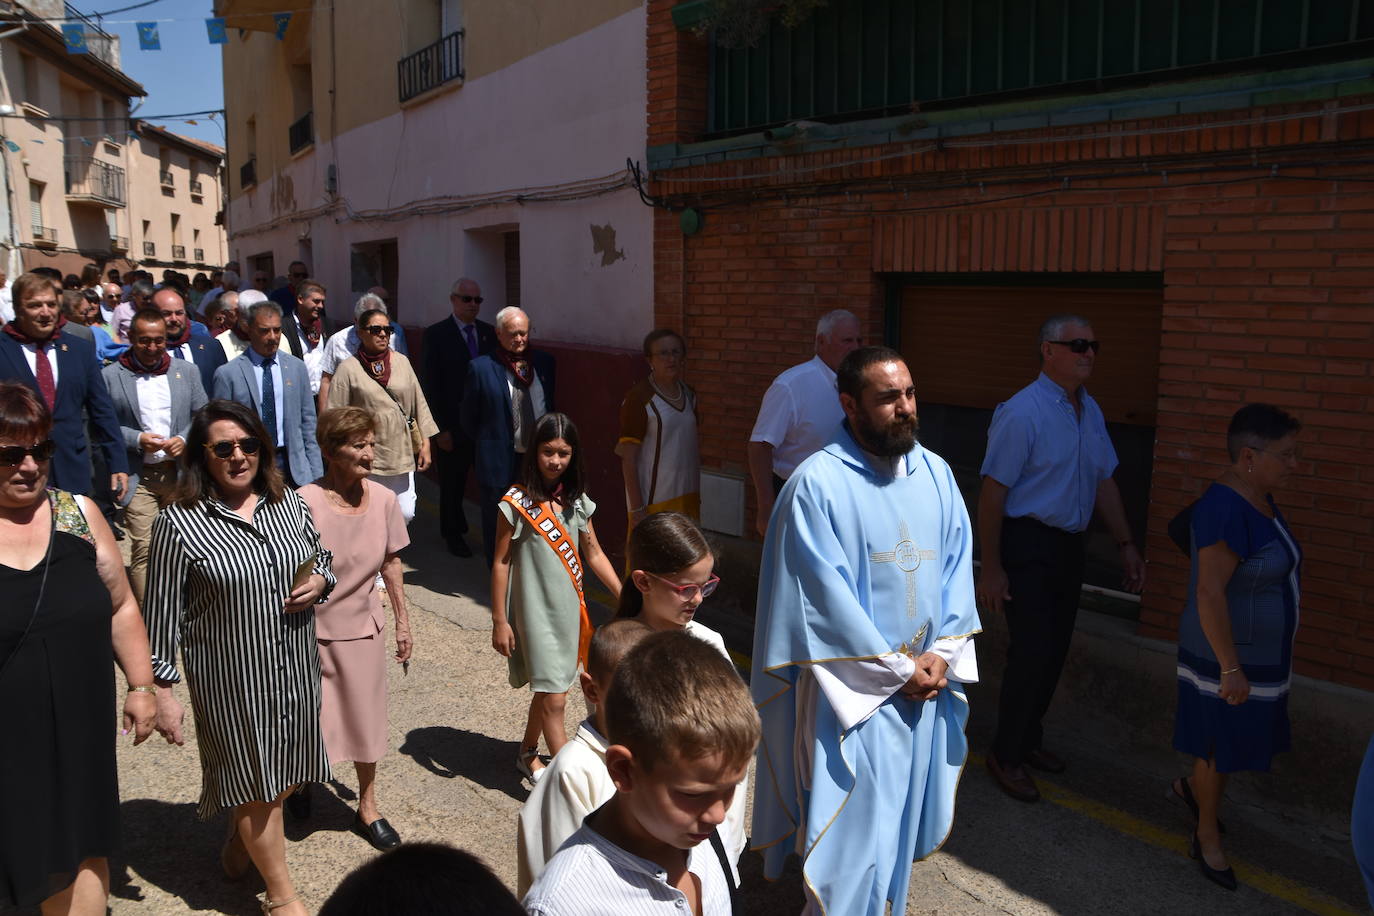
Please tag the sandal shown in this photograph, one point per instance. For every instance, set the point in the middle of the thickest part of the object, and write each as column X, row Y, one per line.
column 1184, row 794
column 524, row 758
column 268, row 904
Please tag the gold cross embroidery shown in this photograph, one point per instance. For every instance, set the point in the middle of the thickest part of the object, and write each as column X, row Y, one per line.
column 908, row 559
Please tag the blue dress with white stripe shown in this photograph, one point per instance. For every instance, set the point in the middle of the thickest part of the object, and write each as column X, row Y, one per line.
column 1262, row 597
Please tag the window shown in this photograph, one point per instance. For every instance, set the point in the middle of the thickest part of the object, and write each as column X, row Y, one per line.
column 31, row 89
column 36, row 207
column 111, row 119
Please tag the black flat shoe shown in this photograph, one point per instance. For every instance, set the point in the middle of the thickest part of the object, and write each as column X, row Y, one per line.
column 459, row 548
column 1223, row 878
column 1186, row 796
column 379, row 833
column 298, row 803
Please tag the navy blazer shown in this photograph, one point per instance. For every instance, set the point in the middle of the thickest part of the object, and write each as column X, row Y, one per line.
column 235, row 381
column 444, row 368
column 485, row 415
column 80, row 387
column 207, row 354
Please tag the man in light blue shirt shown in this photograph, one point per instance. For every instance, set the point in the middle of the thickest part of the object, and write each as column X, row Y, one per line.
column 1048, row 466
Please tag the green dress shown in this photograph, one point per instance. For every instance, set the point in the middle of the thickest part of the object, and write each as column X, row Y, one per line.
column 542, row 604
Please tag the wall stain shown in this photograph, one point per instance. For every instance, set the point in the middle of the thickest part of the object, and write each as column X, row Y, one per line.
column 283, row 194
column 603, row 243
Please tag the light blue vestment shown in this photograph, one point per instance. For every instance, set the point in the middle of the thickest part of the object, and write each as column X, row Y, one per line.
column 857, row 565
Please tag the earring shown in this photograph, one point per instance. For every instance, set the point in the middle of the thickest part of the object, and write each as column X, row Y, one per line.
column 1250, row 469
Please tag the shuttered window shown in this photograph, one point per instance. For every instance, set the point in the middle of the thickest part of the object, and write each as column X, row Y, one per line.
column 36, row 206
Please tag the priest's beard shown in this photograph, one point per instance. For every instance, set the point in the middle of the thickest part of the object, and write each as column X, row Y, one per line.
column 897, row 437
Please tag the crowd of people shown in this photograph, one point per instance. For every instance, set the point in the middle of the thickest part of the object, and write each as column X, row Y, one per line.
column 261, row 462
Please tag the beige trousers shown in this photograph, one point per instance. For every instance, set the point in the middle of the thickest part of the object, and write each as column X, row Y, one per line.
column 154, row 485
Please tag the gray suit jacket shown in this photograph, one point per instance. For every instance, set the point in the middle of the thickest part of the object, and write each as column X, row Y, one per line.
column 235, row 381
column 188, row 396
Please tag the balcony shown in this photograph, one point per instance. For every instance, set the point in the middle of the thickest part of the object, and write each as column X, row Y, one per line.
column 165, row 178
column 195, row 186
column 431, row 66
column 248, row 174
column 150, row 249
column 199, row 255
column 44, row 236
column 93, row 181
column 301, row 134
column 178, row 252
column 119, row 244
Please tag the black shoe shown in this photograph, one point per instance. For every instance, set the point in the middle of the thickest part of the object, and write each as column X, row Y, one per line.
column 117, row 531
column 459, row 548
column 298, row 803
column 1224, row 878
column 1184, row 792
column 379, row 833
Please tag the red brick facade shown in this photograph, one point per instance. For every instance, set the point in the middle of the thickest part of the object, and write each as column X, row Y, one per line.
column 1260, row 221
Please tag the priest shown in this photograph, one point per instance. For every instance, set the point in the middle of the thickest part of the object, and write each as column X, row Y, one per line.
column 864, row 634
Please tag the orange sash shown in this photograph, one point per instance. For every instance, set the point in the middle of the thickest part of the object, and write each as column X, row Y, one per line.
column 548, row 524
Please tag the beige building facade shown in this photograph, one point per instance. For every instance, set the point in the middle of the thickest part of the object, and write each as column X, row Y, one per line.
column 175, row 200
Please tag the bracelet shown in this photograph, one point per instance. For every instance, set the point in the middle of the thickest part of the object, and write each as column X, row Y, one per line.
column 1231, row 670
column 143, row 688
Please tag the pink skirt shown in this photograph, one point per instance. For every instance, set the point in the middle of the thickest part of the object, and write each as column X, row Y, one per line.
column 353, row 698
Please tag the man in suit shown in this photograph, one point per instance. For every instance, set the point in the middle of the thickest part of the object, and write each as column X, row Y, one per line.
column 505, row 394
column 154, row 396
column 449, row 346
column 306, row 330
column 277, row 386
column 63, row 370
column 183, row 341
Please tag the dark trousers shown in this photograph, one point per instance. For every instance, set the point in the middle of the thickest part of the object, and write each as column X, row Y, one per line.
column 452, row 470
column 1044, row 569
column 490, row 499
column 778, row 483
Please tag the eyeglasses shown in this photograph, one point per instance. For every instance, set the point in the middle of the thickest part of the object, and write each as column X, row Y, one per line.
column 11, row 456
column 689, row 592
column 224, row 449
column 477, row 299
column 1078, row 344
column 377, row 329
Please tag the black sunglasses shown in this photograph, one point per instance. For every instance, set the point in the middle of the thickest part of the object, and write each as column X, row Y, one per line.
column 224, row 449
column 477, row 299
column 1078, row 344
column 11, row 456
column 377, row 329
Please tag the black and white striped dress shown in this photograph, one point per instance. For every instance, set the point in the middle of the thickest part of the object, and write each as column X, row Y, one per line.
column 216, row 586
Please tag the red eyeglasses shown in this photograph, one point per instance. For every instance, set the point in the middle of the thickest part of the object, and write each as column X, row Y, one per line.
column 689, row 592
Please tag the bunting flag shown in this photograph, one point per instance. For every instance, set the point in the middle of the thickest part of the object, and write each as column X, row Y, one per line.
column 216, row 31
column 74, row 36
column 12, row 146
column 283, row 20
column 148, row 39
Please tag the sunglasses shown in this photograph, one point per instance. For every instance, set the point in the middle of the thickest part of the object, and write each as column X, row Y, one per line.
column 224, row 449
column 11, row 456
column 377, row 329
column 689, row 592
column 1078, row 345
column 477, row 299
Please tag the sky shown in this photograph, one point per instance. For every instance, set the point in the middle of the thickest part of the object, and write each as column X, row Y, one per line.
column 185, row 75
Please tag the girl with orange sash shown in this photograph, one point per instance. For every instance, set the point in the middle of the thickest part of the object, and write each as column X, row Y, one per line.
column 544, row 537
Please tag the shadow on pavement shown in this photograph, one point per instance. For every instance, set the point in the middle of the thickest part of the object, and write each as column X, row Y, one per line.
column 451, row 752
column 761, row 897
column 327, row 812
column 169, row 848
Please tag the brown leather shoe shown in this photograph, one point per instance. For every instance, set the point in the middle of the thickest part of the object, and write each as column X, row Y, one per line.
column 1015, row 781
column 1043, row 760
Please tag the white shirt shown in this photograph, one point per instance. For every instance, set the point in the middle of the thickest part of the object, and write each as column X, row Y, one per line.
column 591, row 876
column 31, row 354
column 536, row 396
column 154, row 410
column 574, row 784
column 800, row 412
column 183, row 352
column 7, row 304
column 313, row 357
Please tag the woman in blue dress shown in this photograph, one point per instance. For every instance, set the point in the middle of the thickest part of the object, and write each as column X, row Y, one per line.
column 1235, row 642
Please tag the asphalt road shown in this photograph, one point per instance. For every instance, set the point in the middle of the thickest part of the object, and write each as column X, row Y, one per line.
column 1104, row 840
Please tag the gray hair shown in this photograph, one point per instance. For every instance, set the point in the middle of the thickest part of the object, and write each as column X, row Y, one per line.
column 508, row 313
column 826, row 325
column 1053, row 328
column 453, row 290
column 140, row 288
column 230, row 280
column 366, row 303
column 266, row 305
column 250, row 297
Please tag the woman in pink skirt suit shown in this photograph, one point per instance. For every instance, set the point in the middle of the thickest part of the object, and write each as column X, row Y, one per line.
column 361, row 523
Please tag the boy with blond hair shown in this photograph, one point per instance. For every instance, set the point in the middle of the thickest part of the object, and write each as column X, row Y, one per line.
column 576, row 781
column 681, row 729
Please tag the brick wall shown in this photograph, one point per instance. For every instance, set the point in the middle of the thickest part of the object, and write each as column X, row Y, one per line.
column 1261, row 222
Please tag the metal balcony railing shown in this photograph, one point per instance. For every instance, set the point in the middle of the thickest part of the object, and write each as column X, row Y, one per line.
column 302, row 133
column 248, row 173
column 430, row 66
column 195, row 187
column 150, row 249
column 199, row 255
column 119, row 243
column 178, row 252
column 165, row 177
column 92, row 179
column 44, row 235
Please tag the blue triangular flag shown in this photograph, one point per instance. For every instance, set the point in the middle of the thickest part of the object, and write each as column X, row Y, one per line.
column 147, row 36
column 282, row 20
column 87, row 142
column 13, row 147
column 74, row 35
column 216, row 32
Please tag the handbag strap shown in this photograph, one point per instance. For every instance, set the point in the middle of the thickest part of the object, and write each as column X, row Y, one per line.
column 42, row 587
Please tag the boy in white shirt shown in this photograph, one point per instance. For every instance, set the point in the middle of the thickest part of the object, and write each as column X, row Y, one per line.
column 682, row 730
column 576, row 781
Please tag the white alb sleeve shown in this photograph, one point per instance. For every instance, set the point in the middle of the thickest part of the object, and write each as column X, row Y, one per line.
column 855, row 688
column 961, row 658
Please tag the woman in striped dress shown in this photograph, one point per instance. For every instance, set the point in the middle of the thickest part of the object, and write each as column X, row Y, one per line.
column 234, row 572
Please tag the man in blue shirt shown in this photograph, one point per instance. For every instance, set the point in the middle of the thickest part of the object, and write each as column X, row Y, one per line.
column 1049, row 464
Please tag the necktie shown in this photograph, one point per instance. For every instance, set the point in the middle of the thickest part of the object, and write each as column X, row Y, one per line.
column 43, row 373
column 471, row 335
column 269, row 401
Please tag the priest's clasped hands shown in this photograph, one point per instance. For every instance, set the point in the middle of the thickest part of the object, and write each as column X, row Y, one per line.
column 929, row 678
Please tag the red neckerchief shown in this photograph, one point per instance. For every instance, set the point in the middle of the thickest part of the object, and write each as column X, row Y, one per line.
column 377, row 367
column 12, row 330
column 519, row 366
column 183, row 339
column 127, row 360
column 311, row 330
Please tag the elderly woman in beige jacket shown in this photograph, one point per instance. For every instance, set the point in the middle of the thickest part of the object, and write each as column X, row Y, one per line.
column 382, row 382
